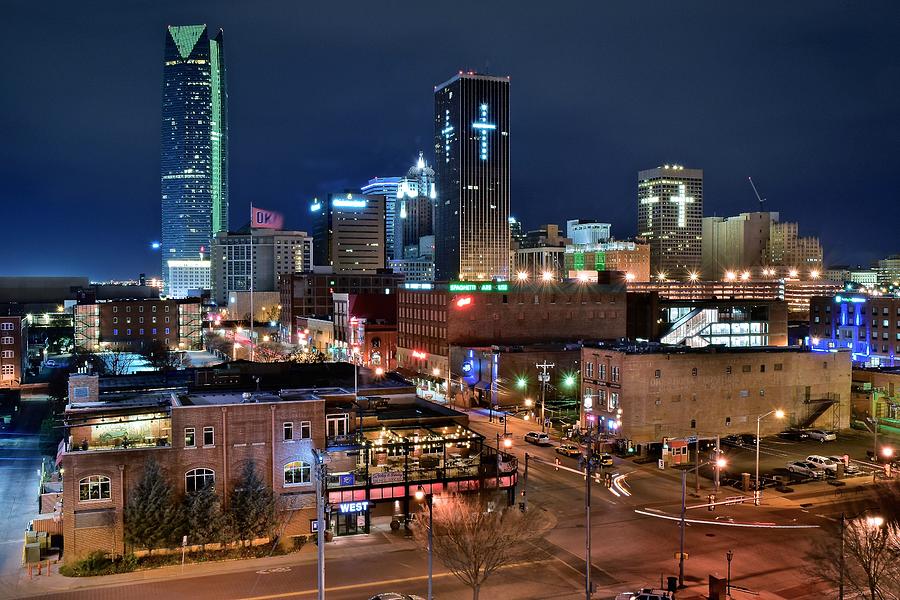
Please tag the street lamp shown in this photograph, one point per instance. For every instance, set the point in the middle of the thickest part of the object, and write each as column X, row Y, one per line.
column 522, row 276
column 729, row 555
column 779, row 414
column 721, row 463
column 421, row 495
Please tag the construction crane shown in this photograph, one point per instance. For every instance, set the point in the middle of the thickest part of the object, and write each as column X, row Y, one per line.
column 761, row 200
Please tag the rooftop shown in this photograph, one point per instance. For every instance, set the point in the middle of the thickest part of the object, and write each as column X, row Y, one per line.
column 227, row 397
column 629, row 347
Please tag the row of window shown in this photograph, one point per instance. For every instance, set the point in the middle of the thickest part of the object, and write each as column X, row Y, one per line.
column 6, row 326
column 140, row 309
column 601, row 371
column 97, row 487
column 140, row 319
column 852, row 309
column 141, row 331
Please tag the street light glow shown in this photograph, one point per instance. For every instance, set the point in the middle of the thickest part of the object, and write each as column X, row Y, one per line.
column 694, row 276
column 730, row 275
column 420, row 493
column 887, row 452
column 507, row 443
column 522, row 276
column 529, row 403
column 779, row 414
column 721, row 463
column 569, row 380
column 547, row 276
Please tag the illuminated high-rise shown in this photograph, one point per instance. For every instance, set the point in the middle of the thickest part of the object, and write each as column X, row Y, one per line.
column 670, row 219
column 348, row 232
column 194, row 160
column 471, row 140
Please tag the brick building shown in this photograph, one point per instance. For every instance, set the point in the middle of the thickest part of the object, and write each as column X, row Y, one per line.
column 134, row 324
column 13, row 350
column 365, row 329
column 867, row 326
column 433, row 319
column 666, row 391
column 310, row 294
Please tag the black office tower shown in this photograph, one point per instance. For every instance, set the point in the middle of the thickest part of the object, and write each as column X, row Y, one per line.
column 471, row 141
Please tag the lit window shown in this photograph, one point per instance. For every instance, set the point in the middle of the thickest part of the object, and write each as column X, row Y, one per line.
column 198, row 479
column 190, row 439
column 94, row 487
column 297, row 473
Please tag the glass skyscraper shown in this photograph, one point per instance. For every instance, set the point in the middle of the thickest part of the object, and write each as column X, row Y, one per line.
column 194, row 161
column 471, row 141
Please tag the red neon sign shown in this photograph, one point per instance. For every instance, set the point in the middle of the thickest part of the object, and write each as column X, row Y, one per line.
column 464, row 301
column 419, row 354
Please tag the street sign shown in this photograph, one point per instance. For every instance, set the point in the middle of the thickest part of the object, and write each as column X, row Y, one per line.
column 678, row 555
column 662, row 464
column 692, row 439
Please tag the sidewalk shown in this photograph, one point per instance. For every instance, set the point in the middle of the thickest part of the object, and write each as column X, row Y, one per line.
column 346, row 547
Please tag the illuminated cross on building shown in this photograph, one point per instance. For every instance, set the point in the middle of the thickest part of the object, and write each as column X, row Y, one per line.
column 650, row 202
column 484, row 127
column 682, row 201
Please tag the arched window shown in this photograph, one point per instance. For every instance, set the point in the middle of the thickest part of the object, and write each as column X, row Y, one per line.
column 94, row 487
column 296, row 473
column 197, row 479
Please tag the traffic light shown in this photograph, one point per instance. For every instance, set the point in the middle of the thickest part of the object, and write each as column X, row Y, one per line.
column 557, row 464
column 609, row 480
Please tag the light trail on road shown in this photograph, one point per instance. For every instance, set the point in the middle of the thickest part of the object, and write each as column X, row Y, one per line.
column 662, row 515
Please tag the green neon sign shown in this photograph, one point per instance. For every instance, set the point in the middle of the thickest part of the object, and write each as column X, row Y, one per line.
column 469, row 286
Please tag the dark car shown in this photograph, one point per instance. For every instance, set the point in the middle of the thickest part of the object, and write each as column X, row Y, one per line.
column 742, row 439
column 798, row 435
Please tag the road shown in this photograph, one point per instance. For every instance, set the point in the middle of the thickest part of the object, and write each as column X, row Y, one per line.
column 20, row 462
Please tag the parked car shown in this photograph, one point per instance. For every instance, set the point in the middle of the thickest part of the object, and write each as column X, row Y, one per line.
column 805, row 468
column 798, row 435
column 395, row 596
column 821, row 435
column 849, row 468
column 537, row 438
column 741, row 439
column 823, row 462
column 568, row 450
column 606, row 460
column 645, row 594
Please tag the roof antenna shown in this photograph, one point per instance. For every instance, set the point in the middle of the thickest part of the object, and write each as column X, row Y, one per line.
column 761, row 200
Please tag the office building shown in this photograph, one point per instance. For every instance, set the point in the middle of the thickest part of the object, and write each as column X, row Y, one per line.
column 194, row 161
column 516, row 233
column 348, row 233
column 310, row 294
column 275, row 253
column 728, row 323
column 678, row 392
column 631, row 258
column 670, row 218
column 785, row 248
column 188, row 278
column 13, row 349
column 867, row 326
column 889, row 271
column 416, row 202
column 133, row 325
column 540, row 263
column 587, row 232
column 389, row 187
column 471, row 130
column 735, row 243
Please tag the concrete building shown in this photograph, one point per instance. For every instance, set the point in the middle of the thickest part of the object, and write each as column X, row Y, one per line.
column 670, row 218
column 631, row 258
column 867, row 326
column 735, row 243
column 188, row 278
column 13, row 349
column 540, row 263
column 349, row 233
column 266, row 306
column 665, row 391
column 471, row 140
column 889, row 271
column 310, row 294
column 785, row 248
column 729, row 323
column 414, row 269
column 433, row 320
column 132, row 325
column 317, row 333
column 587, row 232
column 275, row 253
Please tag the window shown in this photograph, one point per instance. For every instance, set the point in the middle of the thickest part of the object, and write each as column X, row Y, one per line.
column 305, row 430
column 7, row 371
column 693, row 423
column 167, row 331
column 115, row 332
column 727, row 421
column 115, row 309
column 601, row 371
column 8, row 354
column 613, row 400
column 154, row 308
column 658, row 374
column 615, row 373
column 337, row 425
column 288, row 430
column 189, row 439
column 209, row 436
column 140, row 319
column 588, row 369
column 694, row 372
column 728, row 370
column 141, row 331
column 762, row 368
column 6, row 340
column 141, row 308
column 127, row 309
column 198, row 479
column 779, row 366
column 6, row 326
column 94, row 487
column 296, row 473
column 746, row 368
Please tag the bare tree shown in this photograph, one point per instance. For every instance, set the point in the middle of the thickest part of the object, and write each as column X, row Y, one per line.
column 474, row 541
column 271, row 352
column 117, row 362
column 860, row 554
column 309, row 354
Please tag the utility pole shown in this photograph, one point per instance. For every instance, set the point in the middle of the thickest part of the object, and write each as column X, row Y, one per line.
column 842, row 566
column 588, row 475
column 525, row 485
column 683, row 509
column 321, row 472
column 544, row 378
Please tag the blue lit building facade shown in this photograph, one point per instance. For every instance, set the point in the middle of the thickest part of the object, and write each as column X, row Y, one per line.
column 194, row 159
column 471, row 140
column 389, row 187
column 869, row 326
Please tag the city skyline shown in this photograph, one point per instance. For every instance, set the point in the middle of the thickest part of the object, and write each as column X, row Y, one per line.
column 809, row 144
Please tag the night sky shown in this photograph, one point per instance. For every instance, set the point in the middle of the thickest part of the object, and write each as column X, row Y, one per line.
column 803, row 96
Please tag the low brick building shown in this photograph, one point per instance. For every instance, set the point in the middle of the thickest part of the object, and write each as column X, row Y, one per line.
column 133, row 325
column 673, row 391
column 13, row 350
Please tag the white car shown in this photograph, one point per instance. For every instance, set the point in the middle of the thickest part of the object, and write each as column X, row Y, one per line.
column 537, row 438
column 820, row 435
column 645, row 594
column 806, row 469
column 823, row 462
column 849, row 468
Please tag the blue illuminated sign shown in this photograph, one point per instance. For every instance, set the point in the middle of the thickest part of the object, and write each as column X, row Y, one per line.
column 848, row 299
column 353, row 507
column 349, row 203
column 347, row 479
column 484, row 127
column 315, row 207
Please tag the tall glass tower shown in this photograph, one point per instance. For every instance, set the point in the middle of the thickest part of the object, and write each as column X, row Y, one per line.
column 194, row 161
column 471, row 141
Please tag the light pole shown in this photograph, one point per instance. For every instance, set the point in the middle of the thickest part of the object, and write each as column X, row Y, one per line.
column 429, row 499
column 681, row 537
column 779, row 414
column 544, row 378
column 729, row 555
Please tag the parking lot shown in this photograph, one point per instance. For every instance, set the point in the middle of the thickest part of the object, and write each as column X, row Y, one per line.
column 776, row 452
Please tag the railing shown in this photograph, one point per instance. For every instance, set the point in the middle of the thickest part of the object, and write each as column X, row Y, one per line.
column 690, row 325
column 162, row 442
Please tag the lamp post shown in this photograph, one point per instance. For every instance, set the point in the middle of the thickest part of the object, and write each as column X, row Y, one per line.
column 729, row 555
column 429, row 499
column 779, row 414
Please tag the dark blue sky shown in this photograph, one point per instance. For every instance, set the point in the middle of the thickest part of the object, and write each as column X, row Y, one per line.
column 803, row 96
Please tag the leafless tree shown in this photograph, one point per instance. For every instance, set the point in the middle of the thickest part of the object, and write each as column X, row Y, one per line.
column 870, row 548
column 117, row 362
column 308, row 355
column 473, row 541
column 271, row 352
